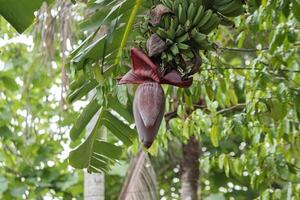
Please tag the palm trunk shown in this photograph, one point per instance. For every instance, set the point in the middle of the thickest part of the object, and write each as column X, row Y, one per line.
column 190, row 169
column 141, row 182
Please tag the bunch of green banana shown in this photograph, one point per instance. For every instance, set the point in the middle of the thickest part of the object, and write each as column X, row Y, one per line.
column 229, row 8
column 188, row 16
column 184, row 28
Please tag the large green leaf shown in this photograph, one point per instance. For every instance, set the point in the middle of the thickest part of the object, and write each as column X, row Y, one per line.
column 84, row 118
column 20, row 13
column 97, row 155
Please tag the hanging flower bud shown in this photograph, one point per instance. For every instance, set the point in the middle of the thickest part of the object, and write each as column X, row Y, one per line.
column 148, row 110
column 149, row 100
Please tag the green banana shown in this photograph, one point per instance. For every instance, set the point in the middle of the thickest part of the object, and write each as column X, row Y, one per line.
column 166, row 20
column 205, row 19
column 197, row 3
column 188, row 25
column 236, row 12
column 175, row 6
column 180, row 31
column 183, row 38
column 169, row 57
column 169, row 42
column 218, row 3
column 183, row 46
column 185, row 6
column 167, row 3
column 198, row 37
column 162, row 33
column 181, row 14
column 198, row 16
column 174, row 49
column 230, row 7
column 176, row 22
column 191, row 11
column 201, row 40
column 171, row 30
column 211, row 24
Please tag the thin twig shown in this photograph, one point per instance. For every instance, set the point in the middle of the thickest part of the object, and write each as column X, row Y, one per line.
column 248, row 50
column 236, row 107
column 249, row 68
column 242, row 49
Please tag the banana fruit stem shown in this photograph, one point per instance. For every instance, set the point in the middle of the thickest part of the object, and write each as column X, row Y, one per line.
column 128, row 29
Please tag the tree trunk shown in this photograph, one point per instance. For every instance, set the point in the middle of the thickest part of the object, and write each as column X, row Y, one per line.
column 94, row 186
column 190, row 169
column 140, row 183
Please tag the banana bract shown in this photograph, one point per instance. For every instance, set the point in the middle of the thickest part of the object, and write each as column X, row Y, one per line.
column 148, row 110
column 149, row 101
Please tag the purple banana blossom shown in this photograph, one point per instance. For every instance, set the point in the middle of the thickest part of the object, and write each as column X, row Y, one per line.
column 149, row 101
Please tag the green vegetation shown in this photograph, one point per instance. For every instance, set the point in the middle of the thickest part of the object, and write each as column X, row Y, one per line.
column 243, row 106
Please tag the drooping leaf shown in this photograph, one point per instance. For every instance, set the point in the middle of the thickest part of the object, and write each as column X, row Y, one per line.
column 84, row 118
column 20, row 13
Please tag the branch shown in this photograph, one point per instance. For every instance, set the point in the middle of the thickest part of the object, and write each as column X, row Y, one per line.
column 249, row 68
column 242, row 49
column 236, row 107
column 173, row 114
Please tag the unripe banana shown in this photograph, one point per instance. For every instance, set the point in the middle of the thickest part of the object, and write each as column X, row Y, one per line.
column 198, row 37
column 191, row 11
column 211, row 24
column 174, row 49
column 166, row 22
column 236, row 12
column 198, row 16
column 162, row 33
column 183, row 46
column 230, row 7
column 180, row 31
column 171, row 30
column 188, row 25
column 181, row 14
column 184, row 6
column 183, row 38
column 167, row 3
column 218, row 3
column 204, row 20
column 175, row 6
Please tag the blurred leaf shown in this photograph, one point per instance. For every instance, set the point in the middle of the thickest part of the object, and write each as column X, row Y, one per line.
column 3, row 184
column 20, row 13
column 9, row 83
column 296, row 9
column 214, row 135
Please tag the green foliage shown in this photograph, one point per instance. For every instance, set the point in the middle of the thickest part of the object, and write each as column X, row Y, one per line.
column 20, row 13
column 32, row 146
column 97, row 58
column 244, row 106
column 249, row 127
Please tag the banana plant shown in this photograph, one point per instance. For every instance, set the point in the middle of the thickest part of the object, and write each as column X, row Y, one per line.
column 106, row 53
